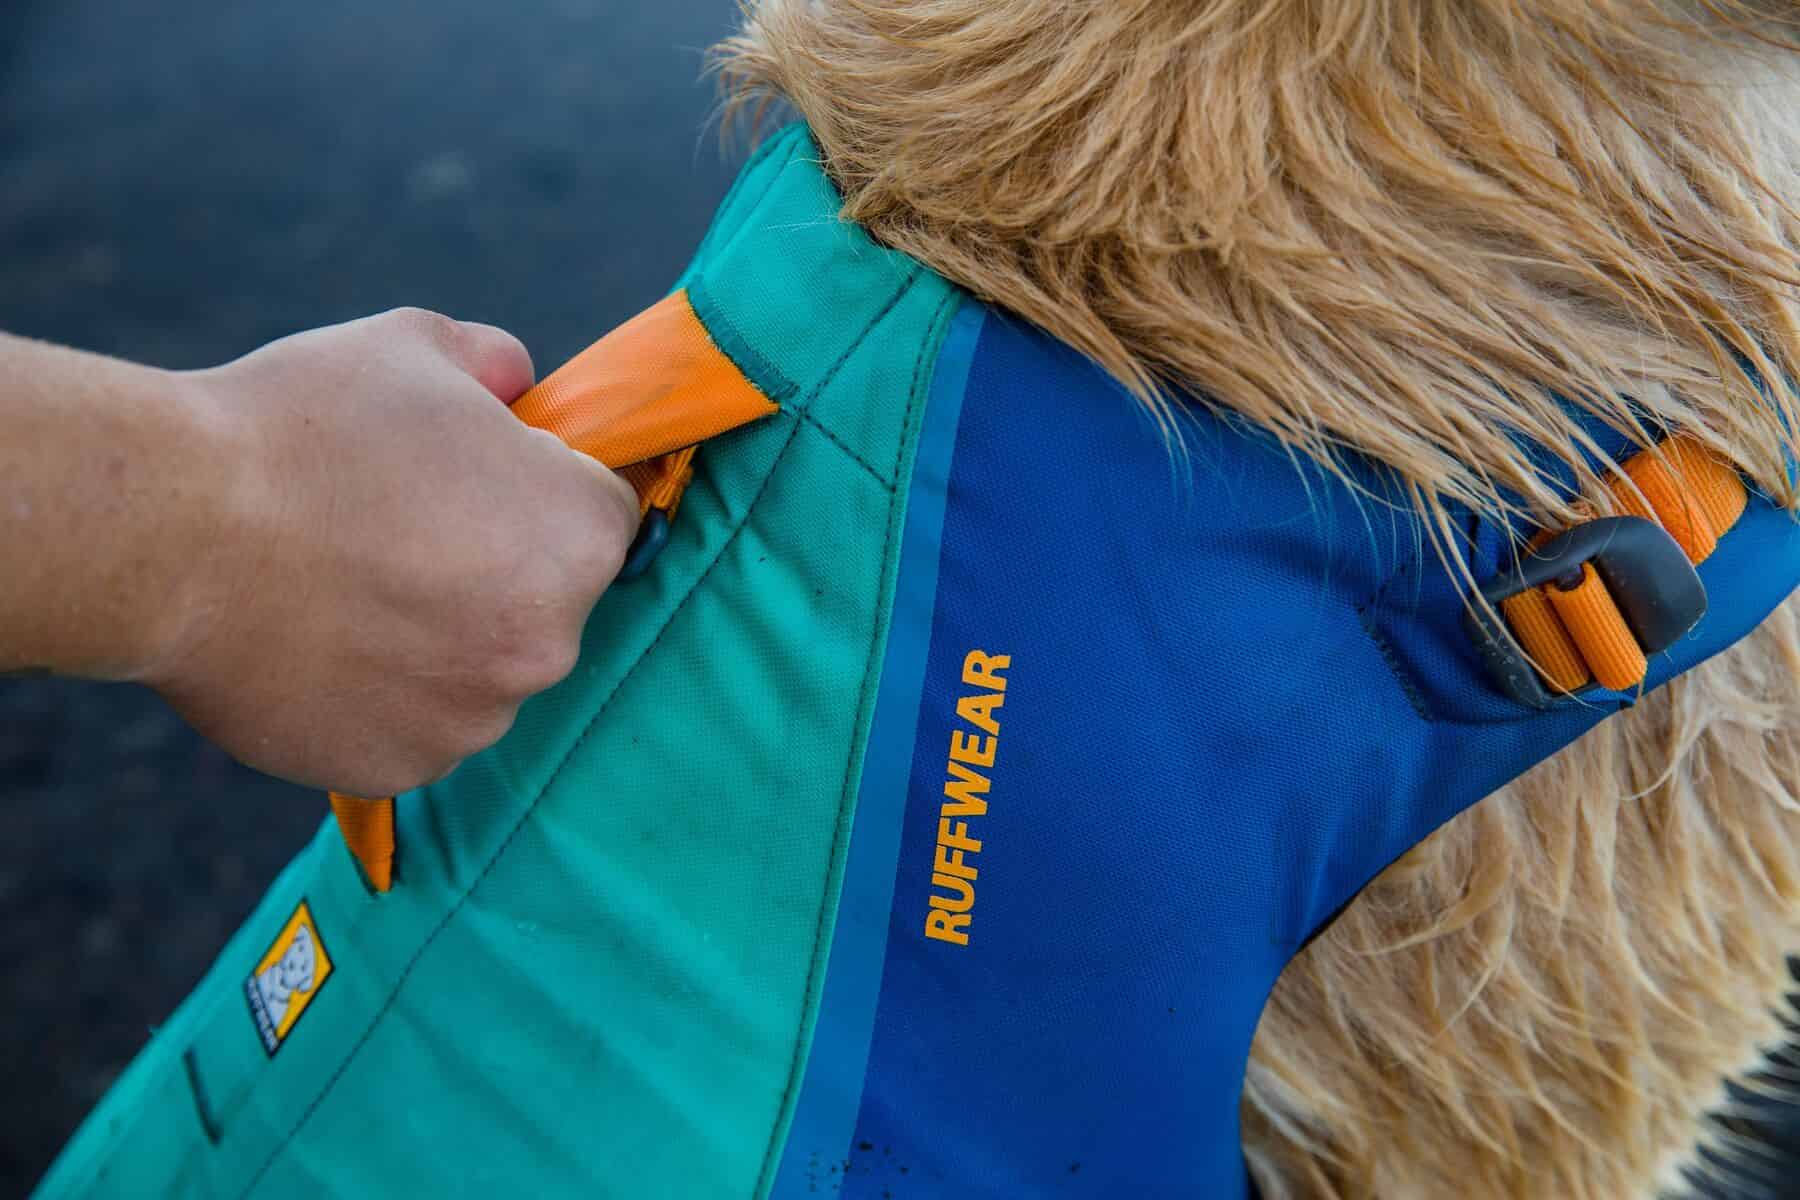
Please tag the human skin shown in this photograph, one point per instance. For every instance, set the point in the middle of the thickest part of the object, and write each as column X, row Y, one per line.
column 340, row 557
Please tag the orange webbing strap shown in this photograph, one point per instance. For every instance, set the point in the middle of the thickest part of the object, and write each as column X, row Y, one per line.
column 1599, row 631
column 1575, row 634
column 641, row 400
column 368, row 829
column 1540, row 632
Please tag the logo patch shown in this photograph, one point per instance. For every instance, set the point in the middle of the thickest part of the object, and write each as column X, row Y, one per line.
column 287, row 978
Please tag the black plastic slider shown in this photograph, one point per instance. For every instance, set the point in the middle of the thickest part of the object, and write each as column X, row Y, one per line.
column 1648, row 574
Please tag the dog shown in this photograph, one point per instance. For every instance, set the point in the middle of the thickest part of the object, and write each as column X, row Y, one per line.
column 1450, row 238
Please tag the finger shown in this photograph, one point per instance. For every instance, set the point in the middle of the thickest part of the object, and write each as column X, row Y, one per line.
column 605, row 520
column 618, row 496
column 489, row 355
column 494, row 358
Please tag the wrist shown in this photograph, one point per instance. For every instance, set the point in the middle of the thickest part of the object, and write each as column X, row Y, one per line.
column 118, row 482
column 196, row 462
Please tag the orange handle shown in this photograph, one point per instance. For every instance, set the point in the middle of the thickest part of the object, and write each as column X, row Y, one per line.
column 655, row 385
column 640, row 400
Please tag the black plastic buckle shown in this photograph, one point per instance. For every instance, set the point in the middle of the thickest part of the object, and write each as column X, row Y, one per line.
column 1655, row 586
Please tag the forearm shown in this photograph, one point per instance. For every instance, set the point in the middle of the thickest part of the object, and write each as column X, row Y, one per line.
column 109, row 492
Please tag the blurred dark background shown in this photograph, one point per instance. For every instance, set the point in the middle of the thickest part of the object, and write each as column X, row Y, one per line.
column 181, row 182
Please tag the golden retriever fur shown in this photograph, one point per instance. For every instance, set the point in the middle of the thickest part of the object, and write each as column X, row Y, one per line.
column 1435, row 233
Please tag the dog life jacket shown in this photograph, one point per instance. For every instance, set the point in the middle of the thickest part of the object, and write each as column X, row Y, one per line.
column 933, row 815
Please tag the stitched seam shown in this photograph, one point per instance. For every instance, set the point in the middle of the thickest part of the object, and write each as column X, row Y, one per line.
column 570, row 753
column 886, row 483
column 1396, row 668
column 1409, row 687
column 725, row 336
column 841, row 832
column 518, row 826
column 934, row 342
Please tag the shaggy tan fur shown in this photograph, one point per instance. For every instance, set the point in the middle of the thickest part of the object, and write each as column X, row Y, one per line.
column 1401, row 228
column 1545, row 997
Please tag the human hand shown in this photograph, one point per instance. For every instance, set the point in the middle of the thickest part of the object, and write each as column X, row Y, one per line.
column 397, row 563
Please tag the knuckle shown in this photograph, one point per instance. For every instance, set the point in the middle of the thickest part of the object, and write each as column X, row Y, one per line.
column 586, row 536
column 528, row 655
column 561, row 663
column 623, row 499
column 481, row 730
column 601, row 554
column 466, row 734
column 390, row 779
column 443, row 772
column 607, row 539
column 540, row 664
column 501, row 349
column 531, row 632
column 408, row 314
column 430, row 326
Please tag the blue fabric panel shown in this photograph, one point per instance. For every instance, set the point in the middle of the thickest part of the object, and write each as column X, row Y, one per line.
column 825, row 1115
column 1237, row 690
column 1130, row 909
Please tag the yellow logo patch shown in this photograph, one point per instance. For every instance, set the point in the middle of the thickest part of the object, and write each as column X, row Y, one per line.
column 287, row 978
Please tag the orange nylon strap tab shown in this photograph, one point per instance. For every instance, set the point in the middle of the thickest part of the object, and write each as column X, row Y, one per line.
column 642, row 395
column 641, row 400
column 1577, row 634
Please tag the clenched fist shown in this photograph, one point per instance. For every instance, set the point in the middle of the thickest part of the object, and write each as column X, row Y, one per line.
column 352, row 564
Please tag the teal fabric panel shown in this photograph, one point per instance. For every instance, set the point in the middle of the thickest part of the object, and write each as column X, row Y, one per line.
column 856, row 410
column 655, row 920
column 128, row 1145
column 597, row 971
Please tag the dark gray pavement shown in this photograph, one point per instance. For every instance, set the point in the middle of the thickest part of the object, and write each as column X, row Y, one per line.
column 180, row 182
